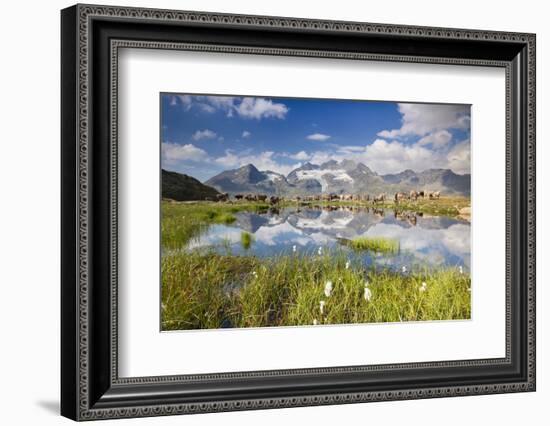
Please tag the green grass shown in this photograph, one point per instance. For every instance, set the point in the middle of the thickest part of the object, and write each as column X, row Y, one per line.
column 246, row 239
column 376, row 244
column 208, row 290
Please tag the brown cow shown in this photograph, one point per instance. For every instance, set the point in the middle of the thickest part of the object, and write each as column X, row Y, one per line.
column 380, row 198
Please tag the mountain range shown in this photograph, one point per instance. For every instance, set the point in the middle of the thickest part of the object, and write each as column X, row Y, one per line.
column 344, row 177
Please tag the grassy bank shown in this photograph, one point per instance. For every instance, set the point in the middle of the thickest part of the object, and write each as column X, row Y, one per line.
column 201, row 291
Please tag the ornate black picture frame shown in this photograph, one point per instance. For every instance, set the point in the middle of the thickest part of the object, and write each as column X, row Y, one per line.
column 91, row 37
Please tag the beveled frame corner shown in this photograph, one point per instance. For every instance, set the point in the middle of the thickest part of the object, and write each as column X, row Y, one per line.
column 91, row 39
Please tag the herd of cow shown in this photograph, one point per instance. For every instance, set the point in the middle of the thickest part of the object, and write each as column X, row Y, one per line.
column 380, row 198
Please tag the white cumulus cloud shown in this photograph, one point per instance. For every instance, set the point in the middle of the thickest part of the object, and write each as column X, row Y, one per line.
column 421, row 119
column 318, row 137
column 437, row 139
column 302, row 155
column 173, row 153
column 459, row 157
column 258, row 108
column 393, row 157
column 204, row 134
column 246, row 134
column 245, row 107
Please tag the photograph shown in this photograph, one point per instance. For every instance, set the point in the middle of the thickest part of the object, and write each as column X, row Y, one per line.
column 306, row 212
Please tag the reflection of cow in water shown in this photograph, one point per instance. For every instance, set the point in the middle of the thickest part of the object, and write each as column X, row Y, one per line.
column 378, row 212
column 274, row 199
column 409, row 217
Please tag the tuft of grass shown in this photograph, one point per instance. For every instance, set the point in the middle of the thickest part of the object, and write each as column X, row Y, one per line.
column 376, row 244
column 209, row 290
column 246, row 239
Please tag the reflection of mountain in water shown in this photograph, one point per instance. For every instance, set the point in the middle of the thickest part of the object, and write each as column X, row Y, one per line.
column 251, row 222
column 431, row 240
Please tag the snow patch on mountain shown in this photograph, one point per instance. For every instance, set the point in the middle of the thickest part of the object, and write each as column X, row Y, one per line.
column 273, row 177
column 320, row 176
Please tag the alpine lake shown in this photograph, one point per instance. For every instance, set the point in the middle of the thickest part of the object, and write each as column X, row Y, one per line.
column 248, row 264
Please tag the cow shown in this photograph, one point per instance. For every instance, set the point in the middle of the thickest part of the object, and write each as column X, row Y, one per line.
column 250, row 197
column 436, row 194
column 380, row 198
column 366, row 197
column 413, row 195
column 274, row 199
column 421, row 194
column 222, row 197
column 261, row 197
column 239, row 196
column 399, row 196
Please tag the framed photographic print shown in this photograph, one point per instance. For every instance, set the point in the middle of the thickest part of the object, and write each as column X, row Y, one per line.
column 263, row 212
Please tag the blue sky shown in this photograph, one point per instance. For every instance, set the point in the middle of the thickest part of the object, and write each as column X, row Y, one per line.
column 204, row 135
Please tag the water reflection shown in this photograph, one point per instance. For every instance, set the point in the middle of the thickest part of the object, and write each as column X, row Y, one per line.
column 424, row 240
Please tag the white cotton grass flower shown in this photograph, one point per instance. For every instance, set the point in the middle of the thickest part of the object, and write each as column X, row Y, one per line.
column 320, row 251
column 404, row 269
column 294, row 248
column 423, row 287
column 255, row 274
column 328, row 288
column 460, row 269
column 348, row 263
column 315, row 322
column 367, row 295
column 322, row 306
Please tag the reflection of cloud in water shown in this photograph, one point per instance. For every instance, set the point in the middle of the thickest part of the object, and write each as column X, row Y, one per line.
column 216, row 235
column 434, row 246
column 271, row 235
